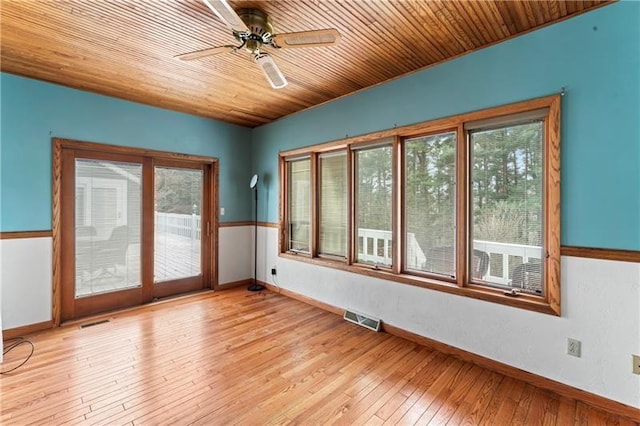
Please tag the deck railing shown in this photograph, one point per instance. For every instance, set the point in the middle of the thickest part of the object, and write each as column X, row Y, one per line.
column 503, row 257
column 375, row 246
column 185, row 225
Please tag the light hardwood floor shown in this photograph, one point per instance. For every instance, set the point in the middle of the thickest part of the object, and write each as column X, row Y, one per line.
column 236, row 357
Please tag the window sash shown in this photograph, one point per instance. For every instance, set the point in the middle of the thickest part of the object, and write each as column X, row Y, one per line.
column 299, row 205
column 510, row 253
column 374, row 228
column 430, row 245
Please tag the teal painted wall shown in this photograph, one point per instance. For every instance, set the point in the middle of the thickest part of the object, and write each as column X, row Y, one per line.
column 595, row 56
column 33, row 112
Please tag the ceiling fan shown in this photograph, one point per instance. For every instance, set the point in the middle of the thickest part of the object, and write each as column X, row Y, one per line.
column 253, row 29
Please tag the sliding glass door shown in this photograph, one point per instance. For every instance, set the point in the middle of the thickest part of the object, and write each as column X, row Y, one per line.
column 133, row 228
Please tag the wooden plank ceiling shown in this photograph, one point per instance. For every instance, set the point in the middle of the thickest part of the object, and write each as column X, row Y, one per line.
column 126, row 48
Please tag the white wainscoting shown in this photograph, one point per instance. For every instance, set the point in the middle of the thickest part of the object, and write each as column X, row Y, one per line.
column 235, row 253
column 1, row 340
column 26, row 281
column 600, row 307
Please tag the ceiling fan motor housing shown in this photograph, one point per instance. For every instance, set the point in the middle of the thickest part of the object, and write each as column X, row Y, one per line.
column 260, row 27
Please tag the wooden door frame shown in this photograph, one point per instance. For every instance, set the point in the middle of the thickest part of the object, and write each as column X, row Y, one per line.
column 59, row 148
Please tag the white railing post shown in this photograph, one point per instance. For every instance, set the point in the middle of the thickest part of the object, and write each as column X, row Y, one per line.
column 193, row 226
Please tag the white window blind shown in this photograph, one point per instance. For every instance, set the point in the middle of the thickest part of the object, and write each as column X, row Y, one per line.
column 108, row 199
column 507, row 205
column 177, row 222
column 374, row 189
column 333, row 204
column 299, row 208
column 430, row 200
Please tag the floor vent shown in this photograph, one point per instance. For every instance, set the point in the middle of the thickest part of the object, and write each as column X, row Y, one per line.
column 91, row 324
column 363, row 320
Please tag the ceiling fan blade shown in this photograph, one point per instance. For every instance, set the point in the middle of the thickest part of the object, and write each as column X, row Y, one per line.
column 226, row 13
column 271, row 71
column 315, row 38
column 204, row 52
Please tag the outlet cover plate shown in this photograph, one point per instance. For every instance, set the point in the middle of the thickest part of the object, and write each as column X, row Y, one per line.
column 573, row 347
column 636, row 364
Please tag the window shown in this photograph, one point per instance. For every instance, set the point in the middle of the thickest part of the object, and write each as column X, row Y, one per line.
column 333, row 204
column 430, row 203
column 299, row 211
column 374, row 185
column 470, row 202
column 506, row 203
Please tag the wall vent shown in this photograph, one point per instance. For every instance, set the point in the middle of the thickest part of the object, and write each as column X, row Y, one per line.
column 363, row 320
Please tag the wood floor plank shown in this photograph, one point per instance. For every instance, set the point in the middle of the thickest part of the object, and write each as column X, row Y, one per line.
column 502, row 392
column 507, row 409
column 237, row 357
column 434, row 393
column 456, row 396
column 469, row 398
column 522, row 410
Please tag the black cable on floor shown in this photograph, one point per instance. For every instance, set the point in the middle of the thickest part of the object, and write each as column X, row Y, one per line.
column 14, row 344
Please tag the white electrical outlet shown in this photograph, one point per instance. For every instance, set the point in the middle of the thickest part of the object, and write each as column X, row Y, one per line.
column 573, row 347
column 221, row 211
column 636, row 364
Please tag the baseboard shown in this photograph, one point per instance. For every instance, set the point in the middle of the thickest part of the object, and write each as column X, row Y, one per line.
column 562, row 389
column 234, row 284
column 305, row 299
column 12, row 333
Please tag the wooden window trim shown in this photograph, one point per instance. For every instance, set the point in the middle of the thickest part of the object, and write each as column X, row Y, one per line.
column 549, row 303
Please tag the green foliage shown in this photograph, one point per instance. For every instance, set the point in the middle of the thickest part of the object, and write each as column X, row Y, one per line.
column 178, row 190
column 430, row 189
column 374, row 188
column 507, row 222
column 505, row 185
